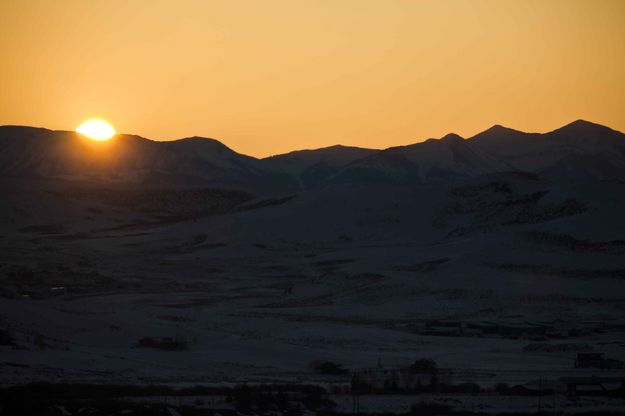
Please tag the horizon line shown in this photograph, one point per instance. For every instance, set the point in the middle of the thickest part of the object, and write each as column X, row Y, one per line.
column 496, row 125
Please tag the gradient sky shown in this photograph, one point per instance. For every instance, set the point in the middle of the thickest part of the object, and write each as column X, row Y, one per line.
column 270, row 76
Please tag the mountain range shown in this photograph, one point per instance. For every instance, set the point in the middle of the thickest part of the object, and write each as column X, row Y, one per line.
column 580, row 150
column 467, row 251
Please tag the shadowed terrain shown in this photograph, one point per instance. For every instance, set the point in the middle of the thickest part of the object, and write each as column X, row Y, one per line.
column 500, row 257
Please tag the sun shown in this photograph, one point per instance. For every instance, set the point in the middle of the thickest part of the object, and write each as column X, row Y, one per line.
column 96, row 129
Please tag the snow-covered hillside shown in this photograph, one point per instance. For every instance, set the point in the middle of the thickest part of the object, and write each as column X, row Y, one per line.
column 463, row 251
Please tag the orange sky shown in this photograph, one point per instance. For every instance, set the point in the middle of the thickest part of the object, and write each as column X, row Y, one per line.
column 269, row 76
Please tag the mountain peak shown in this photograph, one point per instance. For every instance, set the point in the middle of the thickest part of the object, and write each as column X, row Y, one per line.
column 203, row 143
column 499, row 129
column 585, row 128
column 336, row 150
column 498, row 133
column 451, row 137
column 200, row 139
column 582, row 123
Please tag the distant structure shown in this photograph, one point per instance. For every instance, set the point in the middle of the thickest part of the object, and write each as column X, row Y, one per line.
column 594, row 386
column 596, row 360
column 420, row 376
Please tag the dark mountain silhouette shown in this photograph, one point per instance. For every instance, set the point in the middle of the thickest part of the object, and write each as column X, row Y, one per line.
column 585, row 129
column 433, row 160
column 580, row 150
column 499, row 135
column 314, row 167
column 43, row 153
column 575, row 149
column 214, row 152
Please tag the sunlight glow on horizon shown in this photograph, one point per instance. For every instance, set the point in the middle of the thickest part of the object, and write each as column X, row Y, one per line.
column 96, row 129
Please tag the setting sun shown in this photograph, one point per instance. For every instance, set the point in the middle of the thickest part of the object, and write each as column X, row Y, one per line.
column 96, row 129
